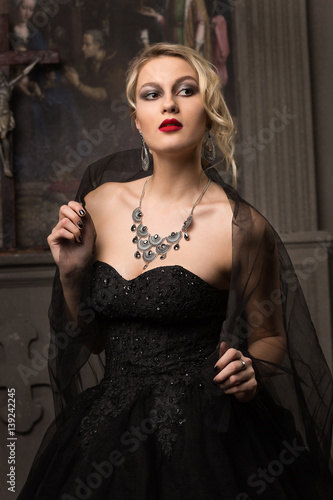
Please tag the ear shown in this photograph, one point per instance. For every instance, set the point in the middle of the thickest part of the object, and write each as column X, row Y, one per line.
column 137, row 123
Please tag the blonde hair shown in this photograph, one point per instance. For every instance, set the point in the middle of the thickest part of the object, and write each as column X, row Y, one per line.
column 210, row 89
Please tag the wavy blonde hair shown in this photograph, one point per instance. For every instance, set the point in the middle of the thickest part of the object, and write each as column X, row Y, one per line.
column 210, row 89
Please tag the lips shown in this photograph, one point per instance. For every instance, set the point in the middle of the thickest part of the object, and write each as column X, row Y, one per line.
column 170, row 125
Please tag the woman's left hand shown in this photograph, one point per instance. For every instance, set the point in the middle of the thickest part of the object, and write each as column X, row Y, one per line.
column 235, row 374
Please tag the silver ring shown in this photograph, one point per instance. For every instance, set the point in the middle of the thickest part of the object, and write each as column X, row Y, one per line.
column 243, row 365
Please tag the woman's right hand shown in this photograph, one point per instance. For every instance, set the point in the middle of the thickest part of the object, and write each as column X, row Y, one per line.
column 72, row 240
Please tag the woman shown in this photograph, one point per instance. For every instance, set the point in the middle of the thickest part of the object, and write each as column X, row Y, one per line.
column 175, row 416
column 24, row 34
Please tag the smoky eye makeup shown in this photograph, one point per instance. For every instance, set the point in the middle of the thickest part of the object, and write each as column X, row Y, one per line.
column 148, row 92
column 188, row 89
column 187, row 82
column 184, row 89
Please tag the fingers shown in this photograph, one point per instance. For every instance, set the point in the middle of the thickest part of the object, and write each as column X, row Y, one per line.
column 223, row 348
column 60, row 234
column 64, row 230
column 227, row 356
column 235, row 374
column 230, row 378
column 249, row 386
column 244, row 392
column 73, row 210
column 70, row 223
column 234, row 371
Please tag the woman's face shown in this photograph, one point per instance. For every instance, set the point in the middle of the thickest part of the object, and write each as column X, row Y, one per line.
column 169, row 110
column 26, row 10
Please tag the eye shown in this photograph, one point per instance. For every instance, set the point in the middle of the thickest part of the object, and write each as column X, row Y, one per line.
column 149, row 96
column 186, row 91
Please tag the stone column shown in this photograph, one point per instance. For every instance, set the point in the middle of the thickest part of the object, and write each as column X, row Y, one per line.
column 276, row 146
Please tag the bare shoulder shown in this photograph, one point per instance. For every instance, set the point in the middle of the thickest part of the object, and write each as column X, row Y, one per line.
column 219, row 205
column 111, row 194
column 104, row 193
column 216, row 233
column 220, row 194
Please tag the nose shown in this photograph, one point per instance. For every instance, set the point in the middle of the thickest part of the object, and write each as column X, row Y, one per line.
column 169, row 104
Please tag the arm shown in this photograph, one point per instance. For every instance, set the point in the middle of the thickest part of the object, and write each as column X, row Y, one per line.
column 96, row 93
column 30, row 88
column 266, row 337
column 72, row 243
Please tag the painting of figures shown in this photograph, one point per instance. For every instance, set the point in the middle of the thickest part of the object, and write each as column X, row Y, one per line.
column 69, row 114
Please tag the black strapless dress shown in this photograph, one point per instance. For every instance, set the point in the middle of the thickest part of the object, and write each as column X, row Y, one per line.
column 157, row 427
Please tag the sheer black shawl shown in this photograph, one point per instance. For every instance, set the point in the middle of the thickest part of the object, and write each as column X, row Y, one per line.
column 263, row 291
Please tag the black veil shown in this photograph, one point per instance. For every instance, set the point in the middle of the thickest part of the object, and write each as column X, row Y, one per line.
column 263, row 282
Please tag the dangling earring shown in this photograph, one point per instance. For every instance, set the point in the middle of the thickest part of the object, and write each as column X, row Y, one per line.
column 209, row 149
column 144, row 155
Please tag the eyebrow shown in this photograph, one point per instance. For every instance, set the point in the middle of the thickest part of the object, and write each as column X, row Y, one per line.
column 177, row 82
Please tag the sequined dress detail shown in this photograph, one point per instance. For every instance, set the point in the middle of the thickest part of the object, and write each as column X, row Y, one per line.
column 158, row 346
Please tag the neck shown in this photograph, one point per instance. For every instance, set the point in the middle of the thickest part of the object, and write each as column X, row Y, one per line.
column 177, row 178
column 22, row 24
column 99, row 56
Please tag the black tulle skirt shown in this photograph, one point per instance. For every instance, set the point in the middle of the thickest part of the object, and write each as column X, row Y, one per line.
column 225, row 450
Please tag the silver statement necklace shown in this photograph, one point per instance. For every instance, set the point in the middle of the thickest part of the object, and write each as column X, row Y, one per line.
column 153, row 245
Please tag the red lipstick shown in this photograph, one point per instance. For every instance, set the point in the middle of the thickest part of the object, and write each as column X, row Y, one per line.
column 170, row 125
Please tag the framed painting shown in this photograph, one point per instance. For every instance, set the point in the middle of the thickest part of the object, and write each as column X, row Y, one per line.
column 71, row 109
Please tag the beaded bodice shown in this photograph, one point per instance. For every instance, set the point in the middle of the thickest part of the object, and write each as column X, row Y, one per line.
column 159, row 329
